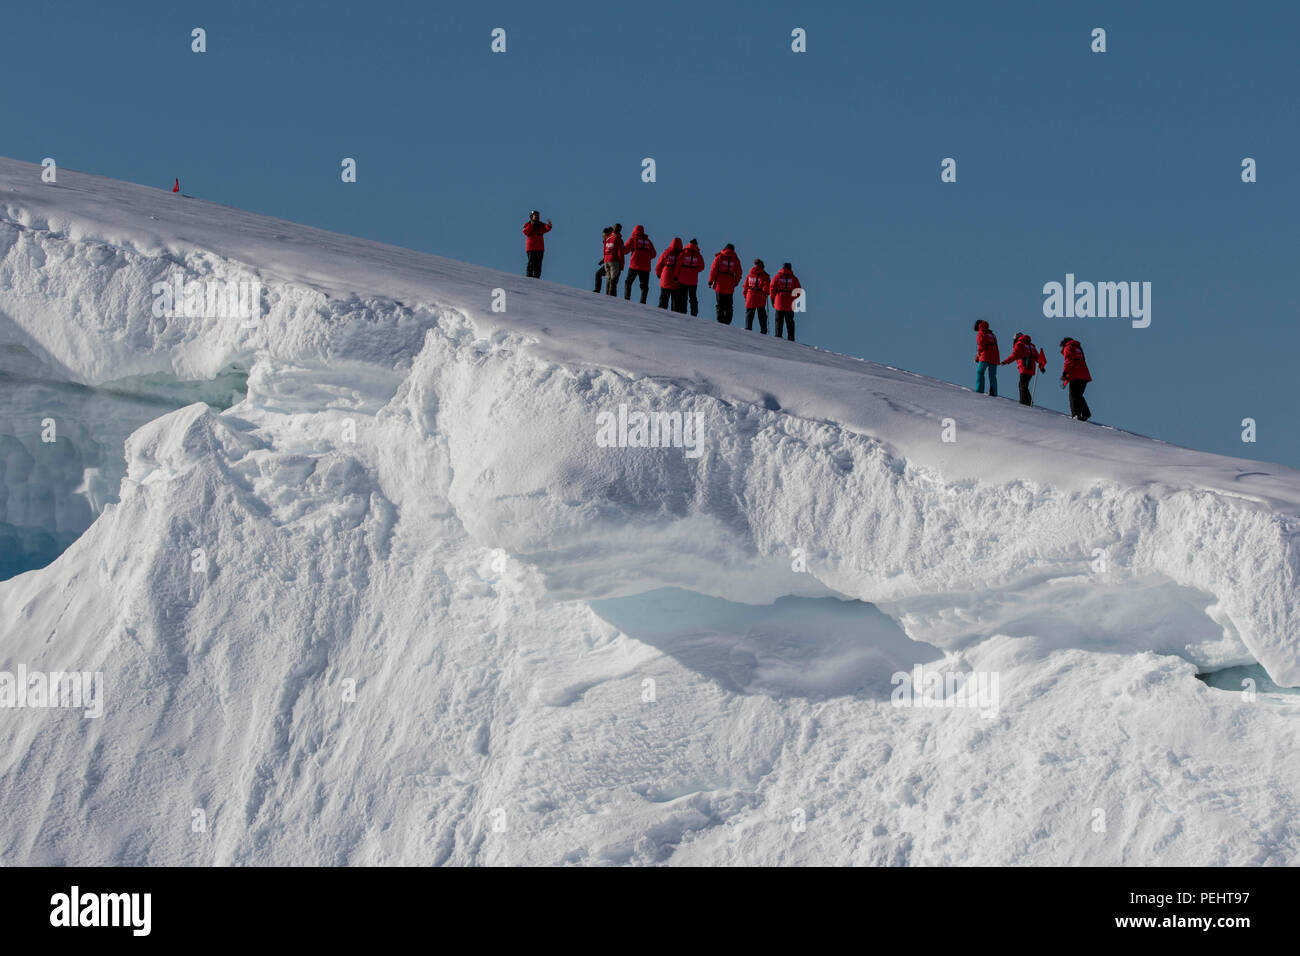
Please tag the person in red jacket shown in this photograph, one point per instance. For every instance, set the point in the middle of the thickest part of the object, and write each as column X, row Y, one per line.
column 756, row 286
column 1076, row 376
column 1029, row 359
column 987, row 357
column 666, row 271
column 783, row 295
column 534, row 244
column 641, row 253
column 689, row 266
column 613, row 248
column 600, row 263
column 724, row 276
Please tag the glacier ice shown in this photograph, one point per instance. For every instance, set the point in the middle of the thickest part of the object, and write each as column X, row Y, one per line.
column 397, row 604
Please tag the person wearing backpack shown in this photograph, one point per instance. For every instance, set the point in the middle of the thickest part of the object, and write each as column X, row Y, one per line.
column 613, row 250
column 1029, row 359
column 666, row 272
column 784, row 284
column 724, row 274
column 641, row 254
column 600, row 263
column 689, row 266
column 1075, row 376
column 986, row 358
column 755, row 288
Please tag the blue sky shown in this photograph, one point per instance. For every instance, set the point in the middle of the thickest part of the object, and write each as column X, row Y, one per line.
column 1116, row 166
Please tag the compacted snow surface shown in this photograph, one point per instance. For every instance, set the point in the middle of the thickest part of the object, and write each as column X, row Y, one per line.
column 403, row 601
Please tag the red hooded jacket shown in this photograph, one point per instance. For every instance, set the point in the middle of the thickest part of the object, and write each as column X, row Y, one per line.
column 640, row 250
column 689, row 265
column 1076, row 368
column 783, row 285
column 756, row 285
column 725, row 273
column 1026, row 356
column 666, row 269
column 613, row 247
column 534, row 232
column 986, row 344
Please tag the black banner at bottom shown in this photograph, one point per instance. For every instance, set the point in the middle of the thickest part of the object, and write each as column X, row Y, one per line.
column 334, row 906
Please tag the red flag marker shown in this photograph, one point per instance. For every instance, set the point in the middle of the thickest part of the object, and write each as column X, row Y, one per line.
column 177, row 187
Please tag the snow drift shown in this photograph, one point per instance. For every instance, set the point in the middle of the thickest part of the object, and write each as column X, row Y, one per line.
column 402, row 602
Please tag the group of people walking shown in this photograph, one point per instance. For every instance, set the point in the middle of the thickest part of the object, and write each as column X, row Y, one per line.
column 1031, row 360
column 678, row 272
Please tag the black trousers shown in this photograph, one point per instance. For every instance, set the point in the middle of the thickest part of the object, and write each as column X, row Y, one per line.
column 1025, row 397
column 788, row 317
column 1078, row 407
column 600, row 275
column 762, row 319
column 688, row 295
column 724, row 306
column 679, row 299
column 534, row 270
column 644, row 275
column 667, row 297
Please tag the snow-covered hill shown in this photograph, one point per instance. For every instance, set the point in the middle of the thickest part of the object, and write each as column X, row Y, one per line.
column 402, row 602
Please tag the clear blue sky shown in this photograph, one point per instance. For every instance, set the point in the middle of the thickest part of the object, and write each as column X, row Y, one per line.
column 1115, row 166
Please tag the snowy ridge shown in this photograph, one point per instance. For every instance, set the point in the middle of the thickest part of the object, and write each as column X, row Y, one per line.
column 499, row 586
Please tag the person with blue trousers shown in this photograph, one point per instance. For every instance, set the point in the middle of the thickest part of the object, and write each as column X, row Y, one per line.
column 986, row 358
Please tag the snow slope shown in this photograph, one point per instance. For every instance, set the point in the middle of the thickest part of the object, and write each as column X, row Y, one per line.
column 565, row 652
